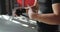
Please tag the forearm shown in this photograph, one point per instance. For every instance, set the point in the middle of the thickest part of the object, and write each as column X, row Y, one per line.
column 49, row 18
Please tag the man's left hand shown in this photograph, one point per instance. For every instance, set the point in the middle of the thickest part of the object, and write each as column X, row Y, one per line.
column 31, row 14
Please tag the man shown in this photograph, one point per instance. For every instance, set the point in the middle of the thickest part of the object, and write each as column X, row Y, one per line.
column 49, row 20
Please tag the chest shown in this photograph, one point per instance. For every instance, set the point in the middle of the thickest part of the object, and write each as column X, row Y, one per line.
column 44, row 1
column 45, row 6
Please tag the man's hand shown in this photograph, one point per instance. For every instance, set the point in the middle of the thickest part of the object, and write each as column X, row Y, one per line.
column 31, row 14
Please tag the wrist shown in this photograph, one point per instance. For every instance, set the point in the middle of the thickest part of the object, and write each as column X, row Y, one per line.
column 35, row 16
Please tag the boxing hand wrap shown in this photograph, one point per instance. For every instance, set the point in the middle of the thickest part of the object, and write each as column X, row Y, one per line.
column 30, row 12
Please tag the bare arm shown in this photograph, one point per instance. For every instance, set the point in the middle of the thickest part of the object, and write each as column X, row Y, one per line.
column 52, row 18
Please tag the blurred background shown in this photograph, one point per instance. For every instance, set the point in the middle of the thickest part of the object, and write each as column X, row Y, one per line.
column 8, row 23
column 6, row 6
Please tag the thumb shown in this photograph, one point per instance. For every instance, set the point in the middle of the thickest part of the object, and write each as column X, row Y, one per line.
column 30, row 12
column 29, row 7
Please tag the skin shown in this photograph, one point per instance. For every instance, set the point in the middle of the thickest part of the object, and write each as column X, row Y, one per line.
column 51, row 18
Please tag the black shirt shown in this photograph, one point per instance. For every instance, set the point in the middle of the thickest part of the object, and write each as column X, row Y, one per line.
column 46, row 7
